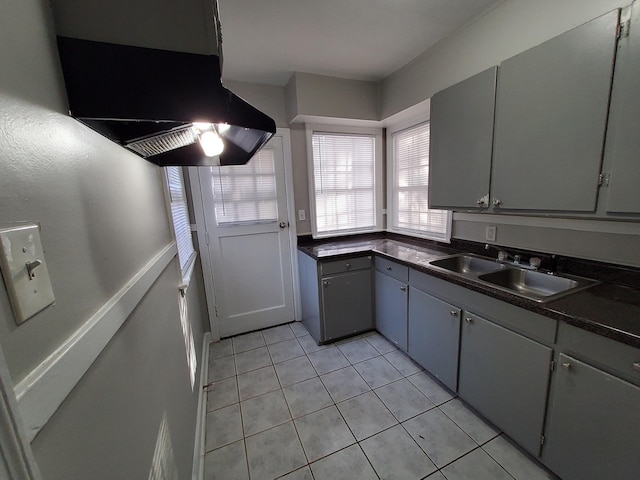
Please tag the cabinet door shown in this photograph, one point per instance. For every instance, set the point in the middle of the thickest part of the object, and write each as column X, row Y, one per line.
column 506, row 377
column 346, row 303
column 593, row 424
column 461, row 143
column 551, row 113
column 391, row 309
column 434, row 336
column 623, row 141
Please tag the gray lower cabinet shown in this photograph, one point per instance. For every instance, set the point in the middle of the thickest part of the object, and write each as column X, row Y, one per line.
column 336, row 296
column 434, row 336
column 505, row 376
column 391, row 309
column 593, row 424
column 346, row 300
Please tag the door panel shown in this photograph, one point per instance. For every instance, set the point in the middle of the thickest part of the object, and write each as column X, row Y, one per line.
column 247, row 225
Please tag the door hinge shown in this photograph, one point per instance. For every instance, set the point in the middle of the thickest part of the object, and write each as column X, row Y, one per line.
column 206, row 236
column 603, row 179
column 541, row 439
column 623, row 29
column 215, row 308
column 553, row 365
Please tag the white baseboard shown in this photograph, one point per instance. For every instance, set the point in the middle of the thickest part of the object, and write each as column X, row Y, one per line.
column 41, row 392
column 201, row 417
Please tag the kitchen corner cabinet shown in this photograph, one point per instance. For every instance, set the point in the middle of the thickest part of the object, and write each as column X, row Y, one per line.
column 623, row 141
column 335, row 296
column 391, row 300
column 594, row 408
column 593, row 424
column 434, row 336
column 552, row 103
column 505, row 376
column 461, row 143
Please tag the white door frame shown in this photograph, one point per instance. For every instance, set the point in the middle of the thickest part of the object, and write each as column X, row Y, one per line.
column 16, row 456
column 202, row 235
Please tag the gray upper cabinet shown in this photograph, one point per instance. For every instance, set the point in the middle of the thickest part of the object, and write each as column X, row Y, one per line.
column 461, row 143
column 622, row 153
column 593, row 424
column 551, row 115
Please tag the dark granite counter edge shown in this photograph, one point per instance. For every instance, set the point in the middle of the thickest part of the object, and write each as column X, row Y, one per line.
column 536, row 307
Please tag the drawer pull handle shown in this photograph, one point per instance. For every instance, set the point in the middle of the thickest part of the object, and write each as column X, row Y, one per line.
column 347, row 266
column 403, row 289
column 636, row 366
column 566, row 366
column 389, row 268
column 468, row 320
column 454, row 313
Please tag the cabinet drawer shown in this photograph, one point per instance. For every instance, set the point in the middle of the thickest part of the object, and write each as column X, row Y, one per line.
column 345, row 265
column 393, row 269
column 612, row 356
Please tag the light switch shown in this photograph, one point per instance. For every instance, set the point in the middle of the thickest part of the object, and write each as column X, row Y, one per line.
column 25, row 271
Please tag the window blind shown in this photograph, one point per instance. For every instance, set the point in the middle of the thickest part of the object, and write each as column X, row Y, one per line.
column 180, row 217
column 344, row 182
column 410, row 208
column 246, row 193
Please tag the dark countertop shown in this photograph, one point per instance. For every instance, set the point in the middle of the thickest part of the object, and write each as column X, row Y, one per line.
column 607, row 309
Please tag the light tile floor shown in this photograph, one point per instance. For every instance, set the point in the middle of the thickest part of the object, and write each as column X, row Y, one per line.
column 280, row 406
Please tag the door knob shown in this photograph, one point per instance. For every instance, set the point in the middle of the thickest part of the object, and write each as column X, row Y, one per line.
column 283, row 225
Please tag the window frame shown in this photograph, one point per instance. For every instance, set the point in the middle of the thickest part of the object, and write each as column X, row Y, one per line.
column 187, row 266
column 391, row 190
column 377, row 134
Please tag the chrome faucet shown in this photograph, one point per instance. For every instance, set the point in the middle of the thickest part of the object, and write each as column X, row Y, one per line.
column 506, row 257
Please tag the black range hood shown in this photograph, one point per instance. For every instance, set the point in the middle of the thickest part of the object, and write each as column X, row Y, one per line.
column 147, row 99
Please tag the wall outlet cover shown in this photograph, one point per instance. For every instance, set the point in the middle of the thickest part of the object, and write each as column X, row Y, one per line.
column 302, row 215
column 490, row 233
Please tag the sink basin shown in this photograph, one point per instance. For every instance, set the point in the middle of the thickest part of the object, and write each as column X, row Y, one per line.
column 468, row 264
column 537, row 286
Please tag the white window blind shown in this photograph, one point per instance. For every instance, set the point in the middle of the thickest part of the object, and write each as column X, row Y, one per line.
column 246, row 193
column 344, row 177
column 180, row 217
column 410, row 188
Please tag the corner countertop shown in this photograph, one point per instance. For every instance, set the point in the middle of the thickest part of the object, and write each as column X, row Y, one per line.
column 607, row 309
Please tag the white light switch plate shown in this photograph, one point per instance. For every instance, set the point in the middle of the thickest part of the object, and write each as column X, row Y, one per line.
column 20, row 246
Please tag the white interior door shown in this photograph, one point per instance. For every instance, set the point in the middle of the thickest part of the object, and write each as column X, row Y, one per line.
column 245, row 210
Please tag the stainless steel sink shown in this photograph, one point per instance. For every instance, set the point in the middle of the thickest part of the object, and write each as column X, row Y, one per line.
column 537, row 286
column 467, row 264
column 531, row 284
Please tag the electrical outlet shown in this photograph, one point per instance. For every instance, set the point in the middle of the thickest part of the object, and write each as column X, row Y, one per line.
column 490, row 233
column 302, row 215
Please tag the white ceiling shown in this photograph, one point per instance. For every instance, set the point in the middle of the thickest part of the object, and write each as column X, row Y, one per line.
column 265, row 41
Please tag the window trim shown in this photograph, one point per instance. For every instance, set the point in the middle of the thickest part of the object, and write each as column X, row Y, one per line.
column 391, row 190
column 377, row 133
column 186, row 271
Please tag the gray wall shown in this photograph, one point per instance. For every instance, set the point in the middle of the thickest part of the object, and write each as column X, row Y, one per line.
column 109, row 425
column 103, row 217
column 505, row 31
